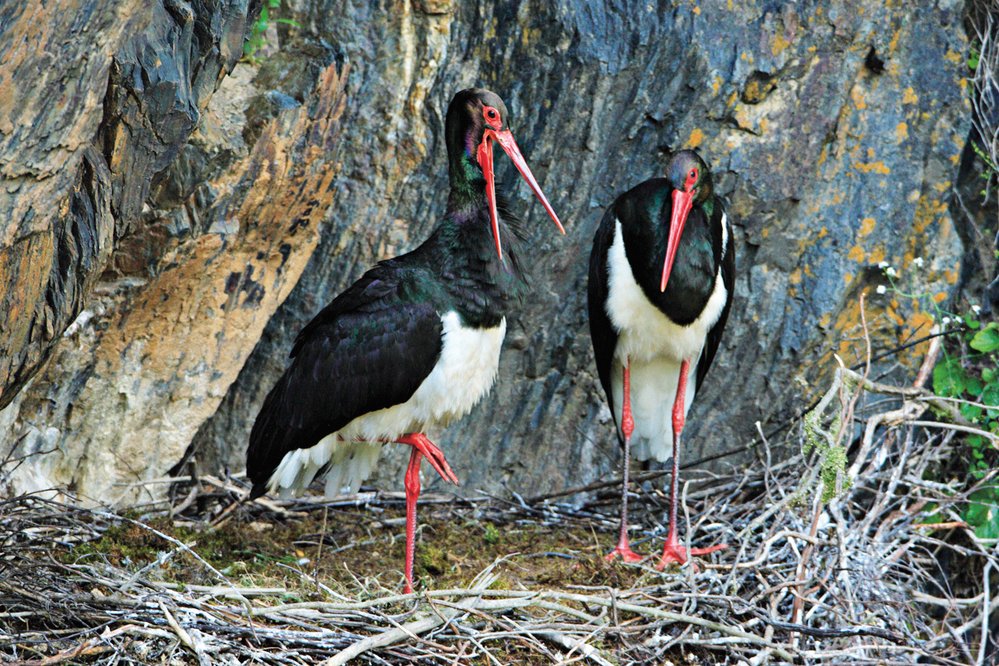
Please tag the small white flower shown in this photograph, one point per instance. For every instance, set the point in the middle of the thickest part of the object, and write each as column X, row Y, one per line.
column 882, row 265
column 890, row 271
column 977, row 309
column 882, row 289
column 918, row 261
column 945, row 321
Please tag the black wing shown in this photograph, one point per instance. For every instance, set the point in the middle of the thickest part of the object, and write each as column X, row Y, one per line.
column 369, row 349
column 602, row 332
column 728, row 279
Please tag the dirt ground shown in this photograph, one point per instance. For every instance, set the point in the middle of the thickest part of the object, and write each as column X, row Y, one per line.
column 356, row 548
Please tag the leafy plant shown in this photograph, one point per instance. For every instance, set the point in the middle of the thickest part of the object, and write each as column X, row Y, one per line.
column 974, row 55
column 989, row 170
column 258, row 31
column 967, row 373
column 490, row 534
column 974, row 379
column 982, row 513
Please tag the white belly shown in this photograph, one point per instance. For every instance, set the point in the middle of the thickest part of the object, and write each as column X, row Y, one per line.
column 465, row 371
column 655, row 346
column 644, row 332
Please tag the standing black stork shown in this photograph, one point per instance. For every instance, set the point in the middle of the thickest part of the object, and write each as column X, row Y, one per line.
column 661, row 278
column 413, row 344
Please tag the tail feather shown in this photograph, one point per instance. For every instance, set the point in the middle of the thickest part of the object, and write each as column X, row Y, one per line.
column 345, row 464
column 280, row 460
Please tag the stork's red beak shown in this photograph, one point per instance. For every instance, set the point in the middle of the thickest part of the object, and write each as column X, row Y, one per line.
column 683, row 201
column 485, row 156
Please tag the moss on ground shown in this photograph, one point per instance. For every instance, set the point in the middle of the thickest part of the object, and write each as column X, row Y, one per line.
column 361, row 551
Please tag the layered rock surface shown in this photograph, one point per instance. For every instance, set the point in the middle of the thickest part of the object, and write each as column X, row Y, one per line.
column 833, row 127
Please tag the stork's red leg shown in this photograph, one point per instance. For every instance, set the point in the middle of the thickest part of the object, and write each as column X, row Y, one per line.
column 627, row 427
column 422, row 446
column 412, row 494
column 673, row 551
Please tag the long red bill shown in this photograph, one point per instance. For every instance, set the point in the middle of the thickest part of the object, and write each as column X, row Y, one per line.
column 682, row 203
column 485, row 157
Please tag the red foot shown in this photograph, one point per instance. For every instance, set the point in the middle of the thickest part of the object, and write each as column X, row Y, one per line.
column 674, row 553
column 422, row 446
column 627, row 428
column 434, row 455
column 625, row 552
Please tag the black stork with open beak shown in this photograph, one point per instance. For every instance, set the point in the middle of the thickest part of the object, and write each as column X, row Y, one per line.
column 660, row 287
column 411, row 345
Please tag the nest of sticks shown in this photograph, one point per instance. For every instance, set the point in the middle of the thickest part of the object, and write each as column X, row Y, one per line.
column 831, row 560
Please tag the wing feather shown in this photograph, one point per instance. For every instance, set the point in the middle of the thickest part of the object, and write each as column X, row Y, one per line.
column 602, row 332
column 369, row 349
column 728, row 279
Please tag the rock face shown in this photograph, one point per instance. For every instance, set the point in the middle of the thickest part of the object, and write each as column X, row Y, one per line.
column 833, row 128
column 55, row 199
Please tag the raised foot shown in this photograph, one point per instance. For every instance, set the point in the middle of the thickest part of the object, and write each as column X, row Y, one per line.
column 625, row 552
column 434, row 455
column 674, row 553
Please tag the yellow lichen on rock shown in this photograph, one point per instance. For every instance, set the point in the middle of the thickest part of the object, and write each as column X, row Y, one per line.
column 901, row 132
column 872, row 167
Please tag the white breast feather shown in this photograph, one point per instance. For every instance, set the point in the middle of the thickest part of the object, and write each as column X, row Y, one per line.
column 644, row 332
column 465, row 371
column 655, row 345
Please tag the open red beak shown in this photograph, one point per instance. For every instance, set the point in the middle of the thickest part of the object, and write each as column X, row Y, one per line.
column 682, row 203
column 485, row 156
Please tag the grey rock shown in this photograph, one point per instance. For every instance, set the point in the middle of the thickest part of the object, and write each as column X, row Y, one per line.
column 830, row 163
column 829, row 169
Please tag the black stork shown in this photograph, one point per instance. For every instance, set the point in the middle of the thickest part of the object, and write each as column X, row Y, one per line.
column 660, row 287
column 412, row 345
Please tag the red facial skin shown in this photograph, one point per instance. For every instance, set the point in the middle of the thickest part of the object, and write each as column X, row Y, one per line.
column 494, row 132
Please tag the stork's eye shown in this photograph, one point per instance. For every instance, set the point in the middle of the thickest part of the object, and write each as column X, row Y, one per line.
column 492, row 116
column 691, row 180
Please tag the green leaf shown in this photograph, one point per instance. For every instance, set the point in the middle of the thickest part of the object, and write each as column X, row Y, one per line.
column 949, row 378
column 988, row 531
column 983, row 512
column 932, row 514
column 977, row 514
column 989, row 375
column 990, row 398
column 971, row 412
column 987, row 339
